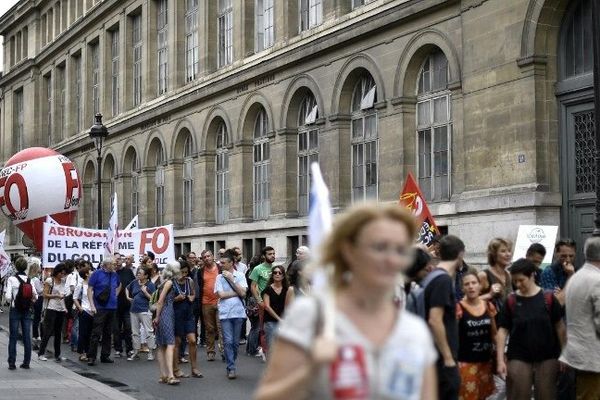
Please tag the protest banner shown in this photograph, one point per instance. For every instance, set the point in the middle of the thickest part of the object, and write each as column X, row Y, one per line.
column 413, row 200
column 70, row 243
column 4, row 258
column 529, row 234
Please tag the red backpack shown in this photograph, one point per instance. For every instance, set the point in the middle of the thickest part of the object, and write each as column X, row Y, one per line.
column 24, row 299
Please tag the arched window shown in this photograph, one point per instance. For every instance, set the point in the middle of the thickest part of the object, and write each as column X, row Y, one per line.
column 364, row 139
column 262, row 165
column 188, row 182
column 434, row 128
column 135, row 177
column 308, row 149
column 578, row 48
column 159, row 184
column 222, row 175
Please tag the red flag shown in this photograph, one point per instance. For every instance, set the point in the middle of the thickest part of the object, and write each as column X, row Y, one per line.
column 413, row 200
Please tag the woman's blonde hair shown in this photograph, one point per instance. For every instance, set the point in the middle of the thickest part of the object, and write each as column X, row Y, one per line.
column 172, row 270
column 348, row 226
column 34, row 266
column 494, row 247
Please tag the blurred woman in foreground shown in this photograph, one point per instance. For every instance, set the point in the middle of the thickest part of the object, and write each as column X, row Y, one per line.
column 379, row 350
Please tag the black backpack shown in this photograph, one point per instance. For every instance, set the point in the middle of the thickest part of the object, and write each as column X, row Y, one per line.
column 24, row 299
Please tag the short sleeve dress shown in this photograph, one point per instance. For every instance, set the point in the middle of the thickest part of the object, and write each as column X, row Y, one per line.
column 165, row 332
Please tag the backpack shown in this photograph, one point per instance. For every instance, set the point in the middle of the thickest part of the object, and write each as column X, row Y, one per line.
column 24, row 299
column 415, row 301
column 511, row 302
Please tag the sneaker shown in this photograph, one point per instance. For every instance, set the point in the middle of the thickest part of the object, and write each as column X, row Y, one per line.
column 117, row 354
column 210, row 357
column 60, row 359
column 132, row 356
column 183, row 360
column 243, row 342
column 150, row 356
column 231, row 375
column 107, row 360
column 91, row 362
column 24, row 366
column 42, row 358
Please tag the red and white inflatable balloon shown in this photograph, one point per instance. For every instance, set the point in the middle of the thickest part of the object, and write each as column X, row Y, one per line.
column 37, row 182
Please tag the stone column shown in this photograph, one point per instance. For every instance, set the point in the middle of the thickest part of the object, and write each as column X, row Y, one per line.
column 176, row 70
column 173, row 204
column 147, row 196
column 283, row 174
column 149, row 52
column 336, row 166
column 241, row 179
column 203, row 213
column 126, row 57
column 207, row 29
column 286, row 20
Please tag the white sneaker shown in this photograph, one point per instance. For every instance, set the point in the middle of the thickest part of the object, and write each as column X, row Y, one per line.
column 117, row 354
column 132, row 356
column 151, row 356
column 42, row 358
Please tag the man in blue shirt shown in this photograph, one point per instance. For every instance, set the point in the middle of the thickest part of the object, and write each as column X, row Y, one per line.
column 231, row 288
column 555, row 276
column 103, row 289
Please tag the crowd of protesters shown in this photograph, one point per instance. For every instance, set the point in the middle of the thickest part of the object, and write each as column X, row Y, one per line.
column 402, row 321
column 120, row 310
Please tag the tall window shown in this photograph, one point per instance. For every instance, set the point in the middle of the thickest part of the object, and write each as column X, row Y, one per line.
column 95, row 59
column 225, row 28
column 48, row 87
column 18, row 121
column 434, row 128
column 78, row 93
column 159, row 184
column 114, row 55
column 578, row 42
column 162, row 44
column 192, row 58
column 135, row 177
column 265, row 31
column 188, row 182
column 61, row 103
column 222, row 175
column 262, row 166
column 136, row 25
column 308, row 149
column 311, row 14
column 364, row 140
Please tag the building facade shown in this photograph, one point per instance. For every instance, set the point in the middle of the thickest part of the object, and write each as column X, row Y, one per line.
column 217, row 108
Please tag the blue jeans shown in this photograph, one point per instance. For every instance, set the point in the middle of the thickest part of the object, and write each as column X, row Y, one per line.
column 16, row 319
column 75, row 331
column 270, row 329
column 231, row 329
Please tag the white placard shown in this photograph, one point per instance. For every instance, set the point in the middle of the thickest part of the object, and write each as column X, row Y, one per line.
column 529, row 234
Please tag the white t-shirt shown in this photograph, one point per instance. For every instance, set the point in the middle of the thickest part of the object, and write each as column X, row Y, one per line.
column 81, row 295
column 57, row 288
column 72, row 280
column 241, row 267
column 12, row 288
column 394, row 371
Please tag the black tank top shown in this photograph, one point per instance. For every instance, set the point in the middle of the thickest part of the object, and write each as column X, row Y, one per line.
column 276, row 301
column 475, row 337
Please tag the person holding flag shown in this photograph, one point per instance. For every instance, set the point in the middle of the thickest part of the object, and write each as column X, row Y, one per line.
column 354, row 342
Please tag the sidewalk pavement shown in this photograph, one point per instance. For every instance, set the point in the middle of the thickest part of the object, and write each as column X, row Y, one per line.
column 47, row 380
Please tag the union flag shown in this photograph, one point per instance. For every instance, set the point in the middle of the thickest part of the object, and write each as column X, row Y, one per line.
column 413, row 200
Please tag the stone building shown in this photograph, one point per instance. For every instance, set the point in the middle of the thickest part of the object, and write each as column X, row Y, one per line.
column 215, row 109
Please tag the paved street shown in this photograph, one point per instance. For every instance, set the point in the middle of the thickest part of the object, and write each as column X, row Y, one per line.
column 139, row 379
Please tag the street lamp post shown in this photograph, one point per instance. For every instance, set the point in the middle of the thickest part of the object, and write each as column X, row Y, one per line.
column 596, row 46
column 98, row 133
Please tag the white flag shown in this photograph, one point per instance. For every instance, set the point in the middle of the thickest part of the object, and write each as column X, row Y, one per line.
column 319, row 222
column 111, row 247
column 4, row 258
column 133, row 224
